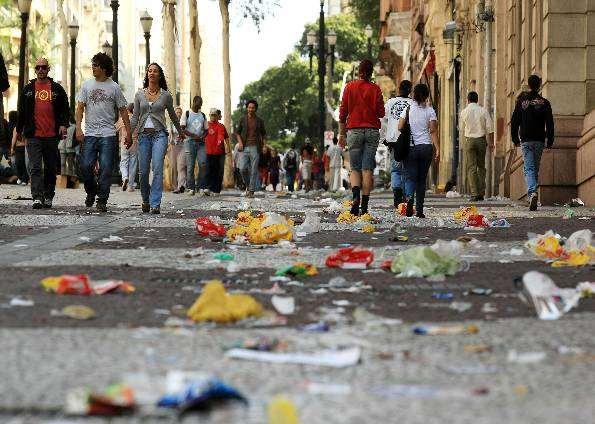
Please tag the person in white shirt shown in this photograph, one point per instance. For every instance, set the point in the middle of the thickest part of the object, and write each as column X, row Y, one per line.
column 394, row 107
column 478, row 131
column 424, row 147
column 335, row 154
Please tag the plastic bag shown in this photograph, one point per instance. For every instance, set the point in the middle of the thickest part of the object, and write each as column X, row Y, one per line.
column 299, row 269
column 350, row 258
column 550, row 301
column 268, row 228
column 500, row 223
column 311, row 224
column 424, row 262
column 465, row 212
column 199, row 394
column 215, row 304
column 477, row 221
column 281, row 410
column 207, row 228
column 68, row 284
column 118, row 399
column 577, row 251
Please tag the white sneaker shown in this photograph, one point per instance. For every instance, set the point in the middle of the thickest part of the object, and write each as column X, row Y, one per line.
column 190, row 192
column 206, row 192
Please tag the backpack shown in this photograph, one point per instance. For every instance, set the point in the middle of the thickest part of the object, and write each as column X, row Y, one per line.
column 401, row 147
column 291, row 159
column 203, row 117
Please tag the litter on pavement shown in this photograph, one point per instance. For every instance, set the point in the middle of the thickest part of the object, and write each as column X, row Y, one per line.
column 82, row 285
column 350, row 258
column 215, row 304
column 326, row 358
column 577, row 250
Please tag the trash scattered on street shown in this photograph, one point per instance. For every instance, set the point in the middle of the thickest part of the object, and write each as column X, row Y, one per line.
column 440, row 330
column 479, row 291
column 317, row 327
column 470, row 369
column 281, row 410
column 460, row 306
column 284, row 305
column 215, row 304
column 206, row 227
column 118, row 399
column 111, row 239
column 550, row 301
column 443, row 295
column 340, row 358
column 80, row 312
column 260, row 343
column 453, row 194
column 311, row 224
column 321, row 388
column 577, row 250
column 368, row 229
column 82, row 285
column 18, row 301
column 223, row 256
column 298, row 269
column 525, row 357
column 194, row 253
column 350, row 258
column 267, row 228
column 575, row 203
column 465, row 212
column 500, row 223
column 477, row 348
column 441, row 259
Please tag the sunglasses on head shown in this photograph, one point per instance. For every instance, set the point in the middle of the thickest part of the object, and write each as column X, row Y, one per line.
column 41, row 67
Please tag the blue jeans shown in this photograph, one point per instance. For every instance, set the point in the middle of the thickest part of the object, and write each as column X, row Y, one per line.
column 290, row 178
column 249, row 168
column 151, row 153
column 94, row 149
column 532, row 151
column 196, row 152
column 417, row 164
column 397, row 173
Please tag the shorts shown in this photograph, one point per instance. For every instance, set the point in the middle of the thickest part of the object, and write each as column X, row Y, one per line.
column 307, row 169
column 362, row 144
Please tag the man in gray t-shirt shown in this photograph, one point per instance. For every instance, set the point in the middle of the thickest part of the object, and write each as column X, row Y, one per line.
column 97, row 100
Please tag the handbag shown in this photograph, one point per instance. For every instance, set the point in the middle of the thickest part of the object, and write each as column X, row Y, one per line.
column 401, row 149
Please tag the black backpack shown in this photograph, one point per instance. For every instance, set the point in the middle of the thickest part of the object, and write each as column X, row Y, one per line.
column 401, row 148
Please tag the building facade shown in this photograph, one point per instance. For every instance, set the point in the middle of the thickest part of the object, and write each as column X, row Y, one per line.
column 492, row 47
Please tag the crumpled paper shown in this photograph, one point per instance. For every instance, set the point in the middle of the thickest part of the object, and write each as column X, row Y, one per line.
column 267, row 228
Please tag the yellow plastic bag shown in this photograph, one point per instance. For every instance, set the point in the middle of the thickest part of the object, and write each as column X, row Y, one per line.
column 281, row 410
column 215, row 304
column 465, row 212
column 574, row 258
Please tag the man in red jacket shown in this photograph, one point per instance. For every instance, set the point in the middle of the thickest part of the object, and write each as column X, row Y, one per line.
column 362, row 107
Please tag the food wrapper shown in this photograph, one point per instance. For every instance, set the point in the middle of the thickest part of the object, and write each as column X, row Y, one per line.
column 207, row 228
column 350, row 258
column 465, row 212
column 299, row 269
column 215, row 304
column 267, row 228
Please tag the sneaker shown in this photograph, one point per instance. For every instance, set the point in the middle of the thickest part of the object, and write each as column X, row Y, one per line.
column 145, row 207
column 89, row 201
column 19, row 182
column 101, row 206
column 156, row 210
column 47, row 203
column 37, row 204
column 533, row 202
column 191, row 192
column 125, row 184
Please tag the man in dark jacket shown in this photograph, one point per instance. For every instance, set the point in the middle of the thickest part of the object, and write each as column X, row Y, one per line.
column 251, row 136
column 43, row 119
column 532, row 127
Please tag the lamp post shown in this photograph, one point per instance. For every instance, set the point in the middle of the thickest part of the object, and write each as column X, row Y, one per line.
column 24, row 8
column 369, row 32
column 114, row 5
column 73, row 31
column 107, row 48
column 146, row 22
column 321, row 43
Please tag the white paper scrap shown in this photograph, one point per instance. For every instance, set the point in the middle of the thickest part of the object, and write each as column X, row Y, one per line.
column 325, row 358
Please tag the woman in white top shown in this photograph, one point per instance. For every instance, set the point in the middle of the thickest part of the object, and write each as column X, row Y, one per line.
column 424, row 146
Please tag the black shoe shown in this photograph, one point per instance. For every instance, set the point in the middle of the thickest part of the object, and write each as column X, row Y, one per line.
column 420, row 215
column 409, row 210
column 397, row 197
column 37, row 204
column 145, row 207
column 355, row 209
column 477, row 198
column 156, row 210
column 533, row 202
column 182, row 189
column 101, row 206
column 89, row 201
column 47, row 203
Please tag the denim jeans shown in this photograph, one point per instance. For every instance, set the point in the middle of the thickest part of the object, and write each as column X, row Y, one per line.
column 532, row 151
column 196, row 152
column 151, row 153
column 397, row 173
column 128, row 165
column 94, row 149
column 417, row 164
column 249, row 167
column 290, row 178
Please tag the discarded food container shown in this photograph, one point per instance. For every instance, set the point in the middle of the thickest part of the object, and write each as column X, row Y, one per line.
column 350, row 258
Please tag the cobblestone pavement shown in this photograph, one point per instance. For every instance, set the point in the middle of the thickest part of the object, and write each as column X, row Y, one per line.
column 401, row 377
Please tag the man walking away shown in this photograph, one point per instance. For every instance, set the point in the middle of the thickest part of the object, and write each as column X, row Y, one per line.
column 335, row 154
column 43, row 118
column 195, row 125
column 291, row 164
column 392, row 112
column 479, row 130
column 362, row 107
column 177, row 156
column 97, row 99
column 532, row 127
column 251, row 136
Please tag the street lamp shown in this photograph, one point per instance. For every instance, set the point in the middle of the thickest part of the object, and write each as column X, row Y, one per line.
column 146, row 22
column 369, row 32
column 24, row 8
column 114, row 5
column 73, row 32
column 107, row 48
column 320, row 42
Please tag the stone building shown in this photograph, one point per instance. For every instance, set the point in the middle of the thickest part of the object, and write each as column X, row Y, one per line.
column 448, row 50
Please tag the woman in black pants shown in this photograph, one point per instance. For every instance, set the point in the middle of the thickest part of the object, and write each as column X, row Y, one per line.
column 424, row 146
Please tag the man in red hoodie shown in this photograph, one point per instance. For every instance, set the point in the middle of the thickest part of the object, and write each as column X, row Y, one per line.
column 362, row 107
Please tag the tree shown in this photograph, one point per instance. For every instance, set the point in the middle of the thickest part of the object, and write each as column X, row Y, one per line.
column 64, row 35
column 195, row 46
column 366, row 12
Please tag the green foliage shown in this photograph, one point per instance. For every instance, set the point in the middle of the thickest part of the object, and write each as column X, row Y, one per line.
column 351, row 40
column 367, row 12
column 255, row 10
column 37, row 41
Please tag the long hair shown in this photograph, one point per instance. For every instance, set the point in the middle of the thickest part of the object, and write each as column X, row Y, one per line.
column 421, row 93
column 104, row 62
column 162, row 81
